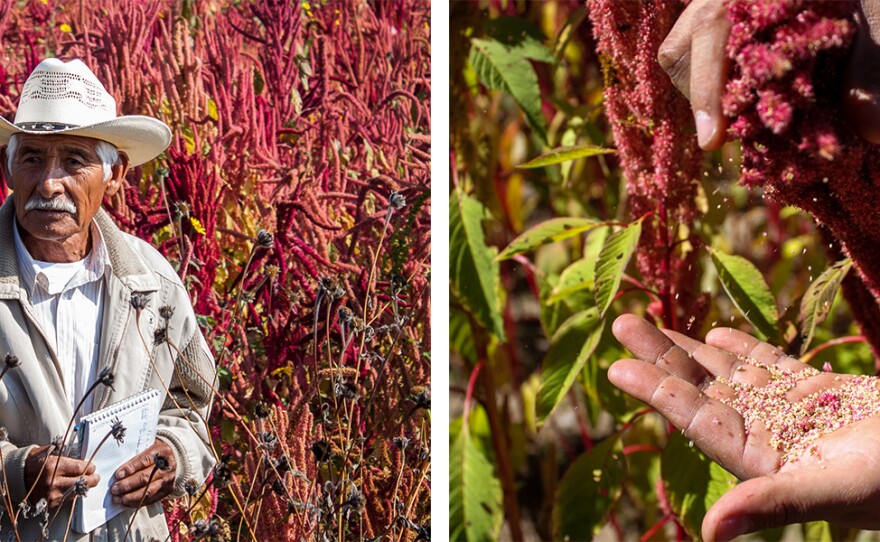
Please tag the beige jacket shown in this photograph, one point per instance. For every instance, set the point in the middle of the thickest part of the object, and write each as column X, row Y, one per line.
column 33, row 407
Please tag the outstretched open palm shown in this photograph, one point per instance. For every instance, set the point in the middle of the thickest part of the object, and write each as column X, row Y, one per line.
column 837, row 480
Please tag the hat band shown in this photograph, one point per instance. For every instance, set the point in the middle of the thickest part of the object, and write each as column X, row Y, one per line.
column 45, row 126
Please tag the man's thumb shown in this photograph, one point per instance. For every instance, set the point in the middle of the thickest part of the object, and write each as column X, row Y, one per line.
column 763, row 503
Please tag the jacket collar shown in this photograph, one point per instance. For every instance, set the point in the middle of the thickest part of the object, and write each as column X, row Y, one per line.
column 127, row 265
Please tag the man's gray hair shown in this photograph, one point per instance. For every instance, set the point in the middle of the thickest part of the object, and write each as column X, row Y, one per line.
column 108, row 154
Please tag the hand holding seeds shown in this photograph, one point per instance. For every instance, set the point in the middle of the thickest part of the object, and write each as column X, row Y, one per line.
column 807, row 442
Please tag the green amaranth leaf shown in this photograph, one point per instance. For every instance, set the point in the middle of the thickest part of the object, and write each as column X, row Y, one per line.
column 612, row 262
column 549, row 231
column 499, row 69
column 693, row 482
column 475, row 496
column 474, row 275
column 749, row 292
column 461, row 336
column 818, row 299
column 565, row 154
column 588, row 490
column 575, row 279
column 570, row 348
column 522, row 38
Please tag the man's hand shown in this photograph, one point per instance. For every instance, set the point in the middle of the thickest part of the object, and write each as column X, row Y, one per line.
column 694, row 57
column 67, row 470
column 675, row 374
column 147, row 478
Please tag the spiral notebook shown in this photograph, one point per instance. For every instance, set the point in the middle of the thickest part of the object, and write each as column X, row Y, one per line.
column 139, row 415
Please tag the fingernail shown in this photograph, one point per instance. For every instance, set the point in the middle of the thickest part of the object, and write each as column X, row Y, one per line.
column 730, row 528
column 705, row 128
column 120, row 473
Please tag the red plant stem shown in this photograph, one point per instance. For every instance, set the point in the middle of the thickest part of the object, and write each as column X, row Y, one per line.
column 635, row 418
column 612, row 519
column 500, row 441
column 650, row 532
column 582, row 422
column 627, row 450
column 530, row 272
column 469, row 395
column 806, row 358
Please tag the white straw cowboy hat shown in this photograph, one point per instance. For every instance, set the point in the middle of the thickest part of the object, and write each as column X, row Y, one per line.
column 66, row 98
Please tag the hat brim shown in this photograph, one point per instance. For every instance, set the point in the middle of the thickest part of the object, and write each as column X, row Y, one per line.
column 141, row 138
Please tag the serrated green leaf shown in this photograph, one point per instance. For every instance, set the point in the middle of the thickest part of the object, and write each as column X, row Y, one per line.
column 549, row 231
column 552, row 314
column 522, row 38
column 574, row 280
column 498, row 69
column 749, row 292
column 818, row 299
column 693, row 482
column 612, row 262
column 474, row 275
column 570, row 348
column 565, row 154
column 588, row 490
column 475, row 496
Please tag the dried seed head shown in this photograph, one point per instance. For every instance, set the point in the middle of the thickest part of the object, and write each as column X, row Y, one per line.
column 261, row 410
column 268, row 440
column 139, row 302
column 345, row 315
column 161, row 462
column 401, row 442
column 12, row 361
column 106, row 378
column 191, row 487
column 160, row 335
column 118, row 431
column 396, row 201
column 265, row 240
column 166, row 311
column 81, row 486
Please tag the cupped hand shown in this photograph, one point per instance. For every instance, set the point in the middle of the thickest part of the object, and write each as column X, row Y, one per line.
column 41, row 465
column 693, row 54
column 146, row 478
column 838, row 481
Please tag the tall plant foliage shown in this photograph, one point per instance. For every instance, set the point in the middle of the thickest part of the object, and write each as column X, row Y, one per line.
column 294, row 200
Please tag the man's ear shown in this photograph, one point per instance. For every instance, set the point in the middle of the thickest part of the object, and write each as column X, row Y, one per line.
column 117, row 175
column 4, row 166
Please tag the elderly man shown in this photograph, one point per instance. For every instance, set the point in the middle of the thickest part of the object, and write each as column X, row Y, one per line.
column 80, row 301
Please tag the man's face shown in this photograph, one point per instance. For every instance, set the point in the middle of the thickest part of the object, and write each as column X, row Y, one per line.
column 58, row 186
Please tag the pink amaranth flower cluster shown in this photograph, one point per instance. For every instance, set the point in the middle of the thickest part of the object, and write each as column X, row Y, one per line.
column 651, row 123
column 784, row 102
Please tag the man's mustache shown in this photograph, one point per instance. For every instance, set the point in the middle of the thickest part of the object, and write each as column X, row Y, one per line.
column 58, row 203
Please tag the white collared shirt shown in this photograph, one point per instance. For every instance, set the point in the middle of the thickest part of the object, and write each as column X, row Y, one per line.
column 68, row 302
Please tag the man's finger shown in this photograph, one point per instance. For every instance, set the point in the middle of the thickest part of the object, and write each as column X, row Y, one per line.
column 861, row 97
column 718, row 362
column 674, row 54
column 647, row 343
column 143, row 460
column 714, row 427
column 709, row 67
column 742, row 344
